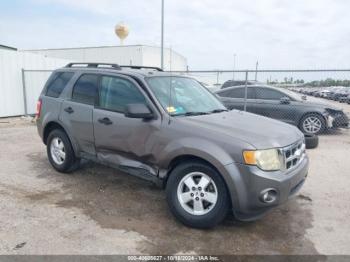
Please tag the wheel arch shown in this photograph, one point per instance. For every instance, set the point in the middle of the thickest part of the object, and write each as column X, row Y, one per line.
column 49, row 127
column 311, row 113
column 188, row 158
column 52, row 125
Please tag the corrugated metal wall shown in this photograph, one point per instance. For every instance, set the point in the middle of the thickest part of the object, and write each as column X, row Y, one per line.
column 11, row 86
column 173, row 61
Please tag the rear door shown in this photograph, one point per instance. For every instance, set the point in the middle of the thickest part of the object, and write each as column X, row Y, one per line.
column 119, row 140
column 233, row 98
column 77, row 112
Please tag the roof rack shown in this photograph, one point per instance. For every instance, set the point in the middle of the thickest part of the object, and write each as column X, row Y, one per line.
column 142, row 67
column 95, row 65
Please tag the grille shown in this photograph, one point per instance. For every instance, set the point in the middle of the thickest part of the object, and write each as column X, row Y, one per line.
column 293, row 154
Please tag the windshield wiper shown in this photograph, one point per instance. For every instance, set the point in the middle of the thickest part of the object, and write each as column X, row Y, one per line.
column 195, row 113
column 218, row 111
column 192, row 114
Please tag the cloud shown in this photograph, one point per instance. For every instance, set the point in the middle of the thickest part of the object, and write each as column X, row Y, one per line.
column 278, row 33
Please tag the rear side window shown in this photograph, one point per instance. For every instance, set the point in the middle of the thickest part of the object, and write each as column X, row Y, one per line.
column 116, row 93
column 224, row 93
column 238, row 93
column 58, row 83
column 85, row 89
column 268, row 94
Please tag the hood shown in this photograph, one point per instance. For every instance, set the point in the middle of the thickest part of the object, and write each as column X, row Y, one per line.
column 261, row 132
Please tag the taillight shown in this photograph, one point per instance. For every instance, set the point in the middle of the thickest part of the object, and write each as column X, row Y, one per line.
column 38, row 108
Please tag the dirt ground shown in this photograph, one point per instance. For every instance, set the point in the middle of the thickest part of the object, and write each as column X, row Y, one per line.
column 98, row 210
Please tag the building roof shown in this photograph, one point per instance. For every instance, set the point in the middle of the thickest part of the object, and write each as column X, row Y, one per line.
column 8, row 47
column 84, row 47
column 97, row 47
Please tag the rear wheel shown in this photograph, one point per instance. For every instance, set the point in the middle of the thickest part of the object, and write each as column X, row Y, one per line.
column 197, row 195
column 60, row 152
column 312, row 124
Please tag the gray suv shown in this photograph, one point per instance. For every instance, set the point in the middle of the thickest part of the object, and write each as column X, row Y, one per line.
column 172, row 131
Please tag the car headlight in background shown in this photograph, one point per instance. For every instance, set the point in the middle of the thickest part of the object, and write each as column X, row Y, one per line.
column 267, row 160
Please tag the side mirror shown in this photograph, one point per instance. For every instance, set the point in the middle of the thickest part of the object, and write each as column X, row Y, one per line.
column 285, row 100
column 138, row 111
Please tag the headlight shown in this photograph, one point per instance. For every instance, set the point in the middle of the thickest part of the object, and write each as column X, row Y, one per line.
column 267, row 160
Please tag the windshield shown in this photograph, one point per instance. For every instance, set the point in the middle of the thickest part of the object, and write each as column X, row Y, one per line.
column 183, row 96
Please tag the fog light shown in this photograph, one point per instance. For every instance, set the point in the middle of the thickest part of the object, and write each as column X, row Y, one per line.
column 268, row 195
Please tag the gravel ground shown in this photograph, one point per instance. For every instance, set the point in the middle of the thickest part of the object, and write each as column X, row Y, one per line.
column 98, row 210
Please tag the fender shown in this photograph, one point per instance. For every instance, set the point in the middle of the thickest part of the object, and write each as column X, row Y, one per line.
column 73, row 142
column 211, row 153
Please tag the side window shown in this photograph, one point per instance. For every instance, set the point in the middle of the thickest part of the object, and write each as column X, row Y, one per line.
column 238, row 93
column 85, row 89
column 116, row 93
column 224, row 93
column 268, row 94
column 58, row 83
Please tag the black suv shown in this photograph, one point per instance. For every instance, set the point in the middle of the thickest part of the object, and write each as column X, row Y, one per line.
column 284, row 105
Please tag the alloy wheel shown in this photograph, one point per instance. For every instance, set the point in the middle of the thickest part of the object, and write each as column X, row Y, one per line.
column 312, row 124
column 197, row 193
column 57, row 151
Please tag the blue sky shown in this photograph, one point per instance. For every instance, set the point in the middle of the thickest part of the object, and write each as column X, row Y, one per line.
column 278, row 33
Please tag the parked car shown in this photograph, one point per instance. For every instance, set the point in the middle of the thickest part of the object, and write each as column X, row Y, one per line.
column 172, row 131
column 285, row 105
column 341, row 96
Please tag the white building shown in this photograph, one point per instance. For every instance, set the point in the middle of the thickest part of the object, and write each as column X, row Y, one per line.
column 17, row 98
column 142, row 55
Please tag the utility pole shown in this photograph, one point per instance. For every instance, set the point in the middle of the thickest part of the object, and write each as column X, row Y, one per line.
column 234, row 66
column 171, row 57
column 162, row 38
column 256, row 70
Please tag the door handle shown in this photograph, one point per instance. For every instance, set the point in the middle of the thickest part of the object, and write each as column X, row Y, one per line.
column 105, row 121
column 69, row 110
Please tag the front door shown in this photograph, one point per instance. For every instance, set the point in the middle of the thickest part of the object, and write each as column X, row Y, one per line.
column 268, row 103
column 119, row 140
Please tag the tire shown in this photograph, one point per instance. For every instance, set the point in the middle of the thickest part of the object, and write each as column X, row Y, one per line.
column 311, row 141
column 65, row 164
column 213, row 213
column 312, row 124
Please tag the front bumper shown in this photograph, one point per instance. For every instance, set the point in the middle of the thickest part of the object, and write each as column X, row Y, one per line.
column 253, row 181
column 339, row 120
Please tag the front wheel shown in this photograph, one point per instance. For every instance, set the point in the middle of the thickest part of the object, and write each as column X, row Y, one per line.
column 197, row 195
column 312, row 124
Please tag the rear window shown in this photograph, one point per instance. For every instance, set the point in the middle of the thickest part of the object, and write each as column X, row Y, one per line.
column 85, row 89
column 58, row 83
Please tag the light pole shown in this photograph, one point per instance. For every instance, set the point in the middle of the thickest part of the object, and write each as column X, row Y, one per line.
column 234, row 66
column 256, row 70
column 162, row 38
